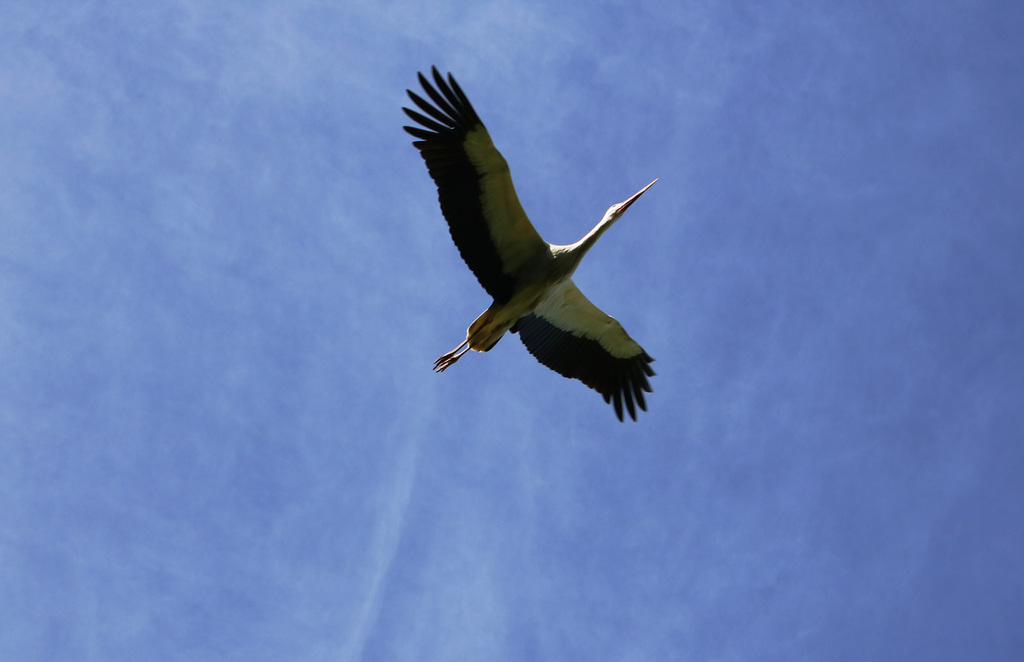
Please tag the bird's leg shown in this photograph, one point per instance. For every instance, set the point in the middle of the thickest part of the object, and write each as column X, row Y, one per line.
column 442, row 363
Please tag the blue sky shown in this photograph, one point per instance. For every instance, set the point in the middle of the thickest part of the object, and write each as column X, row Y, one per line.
column 225, row 276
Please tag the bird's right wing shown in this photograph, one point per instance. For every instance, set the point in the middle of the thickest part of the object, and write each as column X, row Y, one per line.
column 573, row 337
column 474, row 186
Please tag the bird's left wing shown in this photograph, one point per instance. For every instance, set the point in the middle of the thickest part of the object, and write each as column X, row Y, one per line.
column 474, row 186
column 573, row 337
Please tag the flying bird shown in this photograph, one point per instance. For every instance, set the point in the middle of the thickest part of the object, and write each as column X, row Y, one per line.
column 529, row 279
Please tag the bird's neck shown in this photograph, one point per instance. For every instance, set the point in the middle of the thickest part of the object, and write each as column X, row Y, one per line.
column 581, row 247
column 569, row 257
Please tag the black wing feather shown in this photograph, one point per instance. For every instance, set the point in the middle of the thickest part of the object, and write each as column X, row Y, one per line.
column 620, row 381
column 458, row 182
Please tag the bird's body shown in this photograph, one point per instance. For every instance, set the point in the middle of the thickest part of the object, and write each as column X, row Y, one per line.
column 529, row 279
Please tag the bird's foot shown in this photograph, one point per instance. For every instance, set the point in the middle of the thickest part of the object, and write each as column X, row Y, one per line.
column 446, row 360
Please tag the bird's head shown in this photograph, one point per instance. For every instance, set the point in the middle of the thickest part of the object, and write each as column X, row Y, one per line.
column 617, row 210
column 613, row 214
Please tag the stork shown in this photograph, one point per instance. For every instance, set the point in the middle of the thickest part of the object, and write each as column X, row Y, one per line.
column 529, row 279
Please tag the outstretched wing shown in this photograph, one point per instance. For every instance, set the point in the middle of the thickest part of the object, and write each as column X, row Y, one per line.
column 474, row 187
column 576, row 339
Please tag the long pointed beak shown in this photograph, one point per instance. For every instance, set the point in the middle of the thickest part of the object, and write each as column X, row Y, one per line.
column 633, row 198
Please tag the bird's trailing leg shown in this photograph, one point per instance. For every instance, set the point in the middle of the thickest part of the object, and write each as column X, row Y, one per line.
column 446, row 360
column 483, row 334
